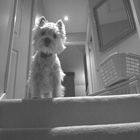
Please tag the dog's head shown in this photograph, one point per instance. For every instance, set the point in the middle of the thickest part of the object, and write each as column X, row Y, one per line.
column 49, row 37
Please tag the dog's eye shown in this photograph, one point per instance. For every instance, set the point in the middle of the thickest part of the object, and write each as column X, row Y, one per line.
column 43, row 33
column 54, row 36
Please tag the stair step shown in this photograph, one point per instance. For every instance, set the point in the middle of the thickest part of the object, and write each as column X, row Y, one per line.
column 69, row 111
column 128, row 131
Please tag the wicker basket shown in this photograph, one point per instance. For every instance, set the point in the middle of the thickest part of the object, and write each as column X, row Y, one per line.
column 119, row 66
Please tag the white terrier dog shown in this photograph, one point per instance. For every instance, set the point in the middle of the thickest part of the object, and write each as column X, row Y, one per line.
column 46, row 74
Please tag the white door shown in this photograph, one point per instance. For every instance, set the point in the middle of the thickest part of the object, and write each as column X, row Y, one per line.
column 20, row 52
column 6, row 21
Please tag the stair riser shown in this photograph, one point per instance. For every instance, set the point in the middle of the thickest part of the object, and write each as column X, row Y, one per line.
column 73, row 111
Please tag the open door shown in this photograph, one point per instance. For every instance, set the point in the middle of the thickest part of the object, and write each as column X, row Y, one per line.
column 20, row 48
column 7, row 10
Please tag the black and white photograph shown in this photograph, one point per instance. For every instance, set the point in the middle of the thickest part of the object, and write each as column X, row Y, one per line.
column 69, row 70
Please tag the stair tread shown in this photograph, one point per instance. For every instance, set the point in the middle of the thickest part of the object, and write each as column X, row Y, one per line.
column 73, row 99
column 130, row 125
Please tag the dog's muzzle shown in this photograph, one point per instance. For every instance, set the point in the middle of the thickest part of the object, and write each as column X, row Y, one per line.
column 47, row 41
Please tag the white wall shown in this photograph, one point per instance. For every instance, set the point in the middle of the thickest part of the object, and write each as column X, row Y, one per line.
column 38, row 8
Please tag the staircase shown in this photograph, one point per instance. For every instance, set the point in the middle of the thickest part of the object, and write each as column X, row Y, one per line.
column 72, row 118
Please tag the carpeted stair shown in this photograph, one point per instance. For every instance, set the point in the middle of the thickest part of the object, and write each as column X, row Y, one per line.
column 76, row 118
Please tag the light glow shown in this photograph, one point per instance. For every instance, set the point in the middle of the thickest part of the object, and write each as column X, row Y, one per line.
column 66, row 18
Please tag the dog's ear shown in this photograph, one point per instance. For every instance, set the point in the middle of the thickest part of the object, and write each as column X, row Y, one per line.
column 41, row 21
column 61, row 26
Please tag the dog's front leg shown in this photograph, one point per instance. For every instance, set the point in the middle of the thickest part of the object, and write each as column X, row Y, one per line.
column 56, row 87
column 35, row 89
column 57, row 90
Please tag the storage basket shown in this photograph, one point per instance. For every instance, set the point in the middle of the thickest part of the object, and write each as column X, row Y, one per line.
column 119, row 66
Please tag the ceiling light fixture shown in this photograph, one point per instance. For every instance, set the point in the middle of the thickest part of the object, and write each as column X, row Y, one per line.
column 66, row 18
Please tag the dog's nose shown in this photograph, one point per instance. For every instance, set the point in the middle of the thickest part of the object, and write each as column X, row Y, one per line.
column 47, row 41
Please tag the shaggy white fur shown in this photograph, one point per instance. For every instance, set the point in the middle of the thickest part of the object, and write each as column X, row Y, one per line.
column 46, row 73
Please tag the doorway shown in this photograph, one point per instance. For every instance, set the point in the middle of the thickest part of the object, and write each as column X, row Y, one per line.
column 73, row 64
